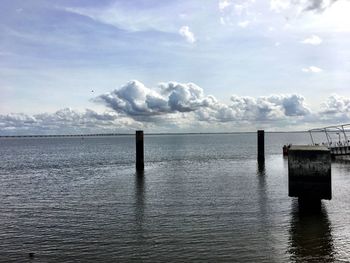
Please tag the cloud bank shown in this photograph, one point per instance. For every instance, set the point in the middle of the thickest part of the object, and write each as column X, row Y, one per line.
column 173, row 106
column 137, row 101
column 270, row 108
column 64, row 121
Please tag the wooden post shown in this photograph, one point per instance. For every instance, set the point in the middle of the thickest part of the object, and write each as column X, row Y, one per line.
column 139, row 152
column 261, row 145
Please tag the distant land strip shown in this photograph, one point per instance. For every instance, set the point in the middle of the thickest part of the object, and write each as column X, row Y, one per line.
column 131, row 134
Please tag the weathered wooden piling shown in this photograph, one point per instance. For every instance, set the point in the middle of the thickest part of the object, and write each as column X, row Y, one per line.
column 261, row 145
column 309, row 172
column 140, row 166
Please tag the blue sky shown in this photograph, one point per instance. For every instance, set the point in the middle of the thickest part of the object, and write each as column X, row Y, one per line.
column 86, row 66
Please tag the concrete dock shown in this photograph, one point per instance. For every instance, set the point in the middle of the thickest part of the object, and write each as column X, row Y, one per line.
column 309, row 172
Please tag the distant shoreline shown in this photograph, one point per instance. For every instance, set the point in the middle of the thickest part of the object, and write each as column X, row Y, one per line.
column 132, row 134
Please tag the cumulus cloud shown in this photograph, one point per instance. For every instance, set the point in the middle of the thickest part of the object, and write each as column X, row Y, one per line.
column 185, row 32
column 312, row 69
column 136, row 100
column 292, row 105
column 244, row 108
column 335, row 109
column 336, row 104
column 139, row 102
column 64, row 121
column 185, row 97
column 312, row 40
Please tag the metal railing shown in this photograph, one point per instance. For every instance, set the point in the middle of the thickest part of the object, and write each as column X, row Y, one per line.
column 337, row 138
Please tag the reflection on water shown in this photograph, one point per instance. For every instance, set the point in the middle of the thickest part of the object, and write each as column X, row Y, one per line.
column 139, row 198
column 262, row 194
column 310, row 235
column 261, row 168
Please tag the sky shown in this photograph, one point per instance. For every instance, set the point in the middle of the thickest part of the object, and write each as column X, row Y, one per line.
column 86, row 66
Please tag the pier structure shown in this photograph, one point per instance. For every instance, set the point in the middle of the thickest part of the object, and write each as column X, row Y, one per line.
column 336, row 138
column 309, row 172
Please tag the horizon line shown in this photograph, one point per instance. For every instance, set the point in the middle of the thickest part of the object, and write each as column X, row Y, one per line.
column 131, row 134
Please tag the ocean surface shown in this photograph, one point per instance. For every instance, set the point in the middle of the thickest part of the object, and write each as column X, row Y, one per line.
column 202, row 198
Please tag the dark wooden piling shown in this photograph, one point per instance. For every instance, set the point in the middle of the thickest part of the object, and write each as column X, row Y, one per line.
column 261, row 145
column 140, row 166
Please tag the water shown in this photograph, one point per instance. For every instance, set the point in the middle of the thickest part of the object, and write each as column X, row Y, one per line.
column 202, row 198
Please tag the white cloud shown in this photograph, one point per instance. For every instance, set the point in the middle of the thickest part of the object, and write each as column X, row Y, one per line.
column 175, row 106
column 335, row 109
column 222, row 21
column 136, row 100
column 336, row 105
column 292, row 105
column 312, row 40
column 185, row 97
column 223, row 4
column 243, row 24
column 65, row 121
column 274, row 107
column 312, row 69
column 187, row 34
column 141, row 103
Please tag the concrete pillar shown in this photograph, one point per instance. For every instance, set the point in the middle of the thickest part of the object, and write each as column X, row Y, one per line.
column 139, row 152
column 309, row 172
column 261, row 145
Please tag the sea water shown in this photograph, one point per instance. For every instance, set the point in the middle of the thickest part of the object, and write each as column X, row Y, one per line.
column 202, row 197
